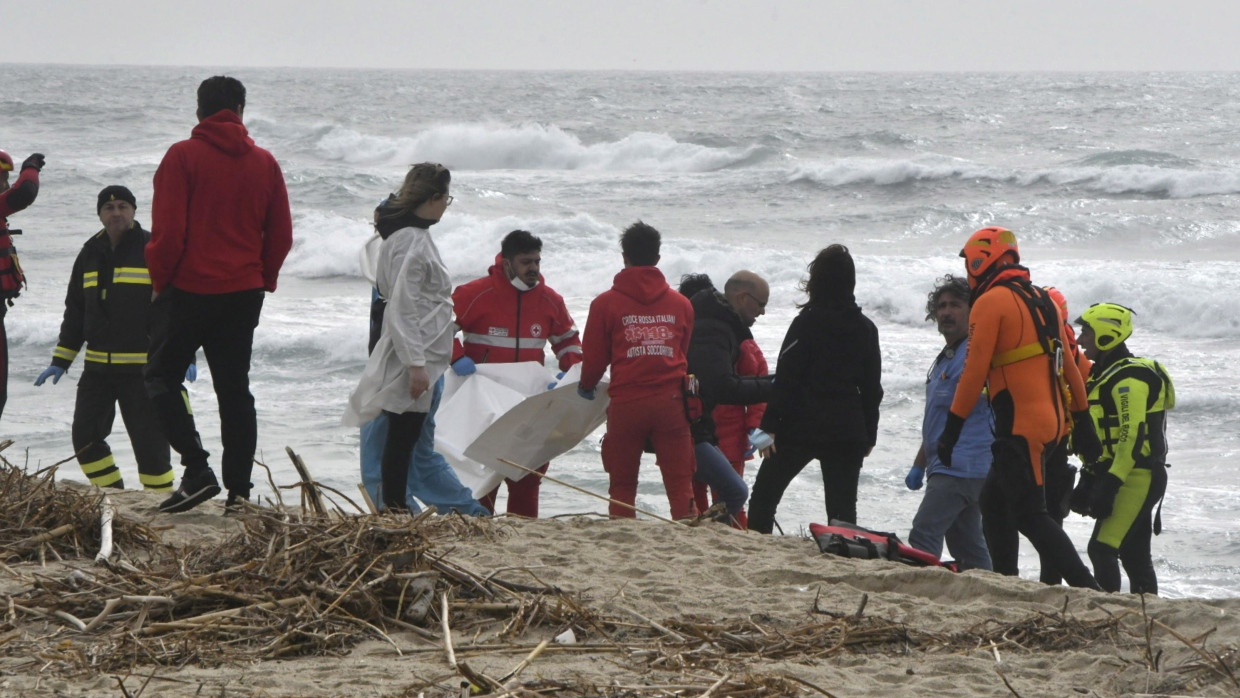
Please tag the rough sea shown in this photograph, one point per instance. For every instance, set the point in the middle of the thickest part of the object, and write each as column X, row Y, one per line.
column 1121, row 187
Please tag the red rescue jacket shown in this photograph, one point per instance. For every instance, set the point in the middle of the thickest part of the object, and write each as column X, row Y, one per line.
column 641, row 328
column 501, row 325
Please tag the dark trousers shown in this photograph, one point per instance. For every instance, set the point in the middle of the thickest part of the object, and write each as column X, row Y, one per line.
column 404, row 428
column 1058, row 478
column 4, row 357
column 222, row 325
column 1010, row 491
column 841, row 469
column 98, row 394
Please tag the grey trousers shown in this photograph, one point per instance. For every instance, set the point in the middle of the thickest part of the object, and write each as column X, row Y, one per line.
column 950, row 510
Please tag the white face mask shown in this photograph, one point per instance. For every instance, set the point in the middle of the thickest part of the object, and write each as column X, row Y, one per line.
column 521, row 285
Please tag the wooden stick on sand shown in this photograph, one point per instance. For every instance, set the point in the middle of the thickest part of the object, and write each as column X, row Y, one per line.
column 547, row 477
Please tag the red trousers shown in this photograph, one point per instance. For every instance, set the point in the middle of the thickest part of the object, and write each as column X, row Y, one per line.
column 661, row 419
column 522, row 495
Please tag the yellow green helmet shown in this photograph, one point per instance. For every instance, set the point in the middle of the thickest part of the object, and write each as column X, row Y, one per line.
column 1111, row 323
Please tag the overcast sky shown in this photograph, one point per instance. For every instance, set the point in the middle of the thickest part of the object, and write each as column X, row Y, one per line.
column 814, row 35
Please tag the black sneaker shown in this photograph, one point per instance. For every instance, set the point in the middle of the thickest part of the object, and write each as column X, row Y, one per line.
column 236, row 504
column 193, row 491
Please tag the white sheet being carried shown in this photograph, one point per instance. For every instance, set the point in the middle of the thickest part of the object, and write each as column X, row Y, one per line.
column 505, row 411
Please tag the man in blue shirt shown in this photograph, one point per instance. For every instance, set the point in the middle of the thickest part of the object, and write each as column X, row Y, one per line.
column 950, row 507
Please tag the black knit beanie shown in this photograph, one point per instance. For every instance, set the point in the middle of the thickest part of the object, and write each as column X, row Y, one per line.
column 115, row 192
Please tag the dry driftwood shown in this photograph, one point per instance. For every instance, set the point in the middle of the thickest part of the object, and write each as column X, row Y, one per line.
column 294, row 582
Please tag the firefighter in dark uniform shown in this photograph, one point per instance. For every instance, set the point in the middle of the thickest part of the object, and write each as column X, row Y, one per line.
column 106, row 308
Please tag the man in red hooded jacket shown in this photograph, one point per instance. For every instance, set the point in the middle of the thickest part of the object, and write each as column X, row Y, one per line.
column 511, row 315
column 220, row 229
column 641, row 328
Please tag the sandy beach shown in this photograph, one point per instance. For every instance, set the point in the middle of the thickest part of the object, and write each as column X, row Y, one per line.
column 289, row 603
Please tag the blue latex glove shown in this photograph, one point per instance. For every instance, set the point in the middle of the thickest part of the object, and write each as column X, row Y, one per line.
column 191, row 373
column 916, row 476
column 53, row 372
column 464, row 366
column 587, row 394
column 758, row 441
column 558, row 377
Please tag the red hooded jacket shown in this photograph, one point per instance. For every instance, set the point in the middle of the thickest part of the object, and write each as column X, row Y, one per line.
column 641, row 328
column 220, row 219
column 500, row 324
column 733, row 422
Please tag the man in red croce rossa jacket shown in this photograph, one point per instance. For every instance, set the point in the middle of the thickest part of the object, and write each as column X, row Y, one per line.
column 641, row 328
column 507, row 316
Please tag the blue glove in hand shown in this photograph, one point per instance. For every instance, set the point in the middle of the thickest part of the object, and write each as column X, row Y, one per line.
column 191, row 373
column 916, row 476
column 464, row 366
column 758, row 441
column 587, row 394
column 558, row 377
column 53, row 372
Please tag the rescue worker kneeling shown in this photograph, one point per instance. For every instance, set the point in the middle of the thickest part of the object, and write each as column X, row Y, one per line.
column 1128, row 402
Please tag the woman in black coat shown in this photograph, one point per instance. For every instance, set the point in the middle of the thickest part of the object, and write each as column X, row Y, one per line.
column 827, row 393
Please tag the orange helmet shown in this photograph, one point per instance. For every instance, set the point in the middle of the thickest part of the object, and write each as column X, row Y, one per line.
column 1057, row 296
column 6, row 161
column 985, row 247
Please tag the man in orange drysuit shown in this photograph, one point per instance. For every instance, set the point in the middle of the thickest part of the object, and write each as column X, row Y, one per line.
column 1016, row 341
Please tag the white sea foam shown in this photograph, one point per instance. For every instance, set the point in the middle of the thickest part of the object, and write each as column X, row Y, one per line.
column 491, row 146
column 1121, row 179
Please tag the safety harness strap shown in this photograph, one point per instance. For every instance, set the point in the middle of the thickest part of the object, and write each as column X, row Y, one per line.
column 1021, row 353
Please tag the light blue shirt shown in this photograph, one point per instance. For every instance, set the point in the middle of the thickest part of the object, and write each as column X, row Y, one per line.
column 971, row 457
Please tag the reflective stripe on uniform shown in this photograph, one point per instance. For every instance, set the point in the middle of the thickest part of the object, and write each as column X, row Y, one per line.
column 90, row 279
column 131, row 275
column 116, row 357
column 557, row 339
column 162, row 481
column 527, row 343
column 102, row 472
column 572, row 349
column 64, row 353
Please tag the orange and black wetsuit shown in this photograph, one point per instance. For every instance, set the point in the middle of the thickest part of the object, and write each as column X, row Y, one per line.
column 1017, row 356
